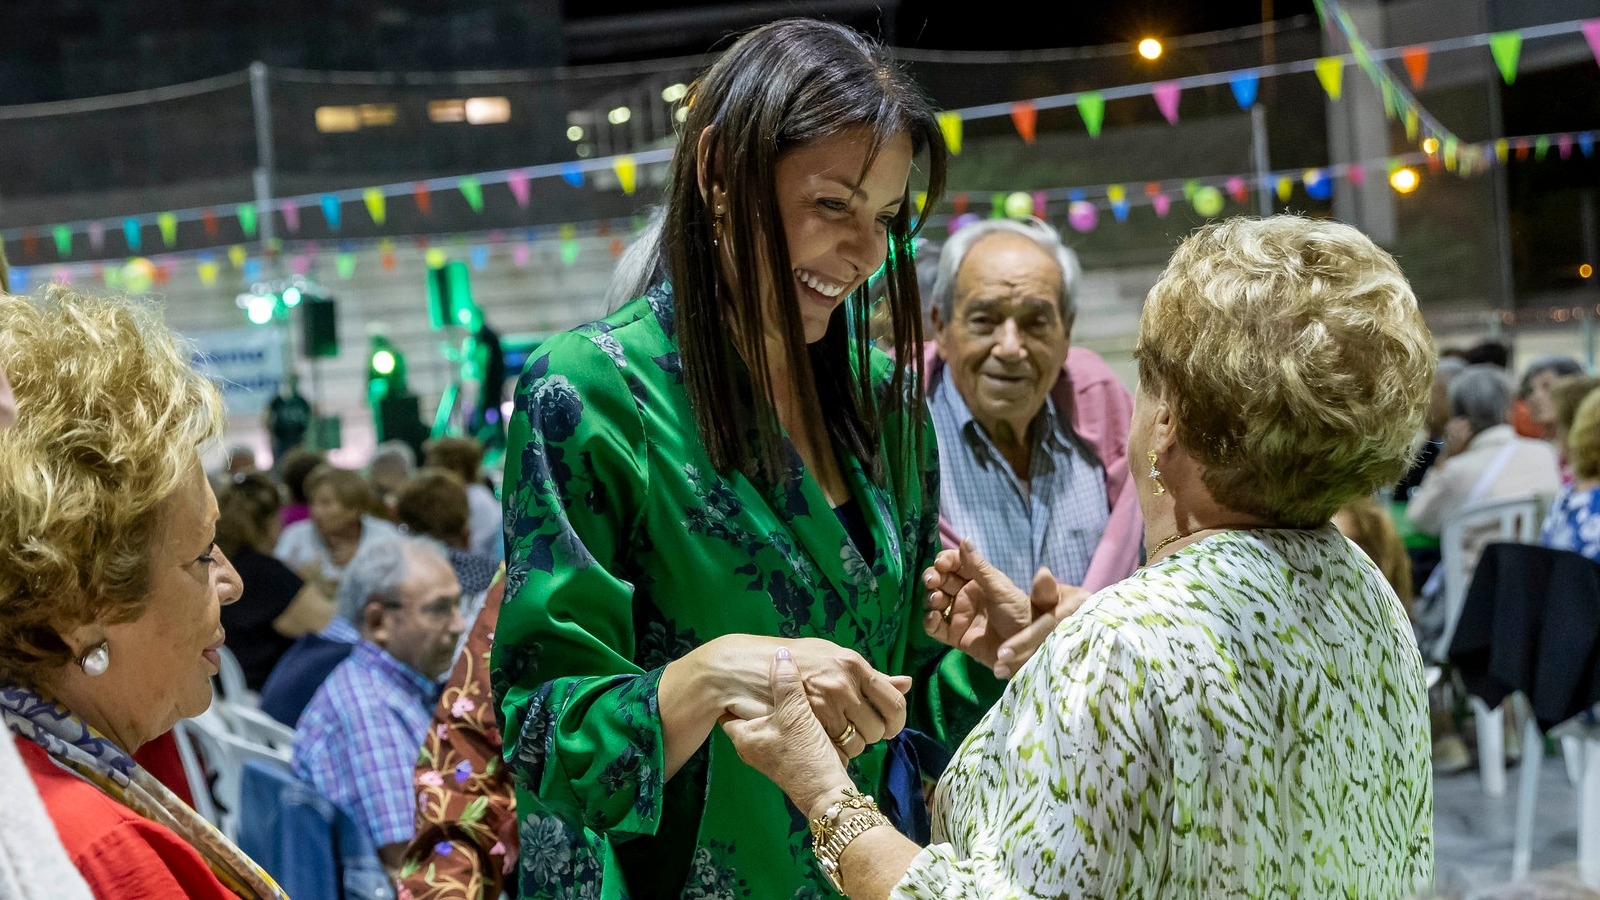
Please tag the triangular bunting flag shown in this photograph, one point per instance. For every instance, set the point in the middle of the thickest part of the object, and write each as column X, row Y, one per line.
column 1025, row 116
column 1237, row 189
column 419, row 193
column 627, row 169
column 950, row 125
column 208, row 221
column 1586, row 143
column 63, row 237
column 1244, row 89
column 435, row 257
column 473, row 191
column 478, row 256
column 246, row 213
column 1330, row 71
column 237, row 255
column 959, row 203
column 377, row 205
column 1411, row 123
column 131, row 234
column 1541, row 146
column 571, row 174
column 1357, row 174
column 1166, row 94
column 332, row 211
column 1416, row 60
column 569, row 251
column 1092, row 106
column 345, row 265
column 291, row 215
column 1162, row 204
column 1451, row 153
column 97, row 235
column 1285, row 189
column 386, row 255
column 1564, row 145
column 518, row 183
column 208, row 273
column 1318, row 185
column 997, row 208
column 168, row 223
column 1118, row 195
column 1506, row 46
column 1591, row 33
column 520, row 254
column 1502, row 150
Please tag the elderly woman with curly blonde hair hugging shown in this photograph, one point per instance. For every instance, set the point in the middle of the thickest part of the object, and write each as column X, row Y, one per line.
column 1246, row 715
column 111, row 588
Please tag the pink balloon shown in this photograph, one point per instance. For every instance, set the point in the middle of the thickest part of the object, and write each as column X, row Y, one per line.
column 962, row 221
column 1082, row 215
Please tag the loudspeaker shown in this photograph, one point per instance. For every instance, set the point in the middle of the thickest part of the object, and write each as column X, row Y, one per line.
column 400, row 418
column 321, row 327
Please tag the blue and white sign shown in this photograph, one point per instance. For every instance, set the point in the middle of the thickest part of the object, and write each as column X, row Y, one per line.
column 245, row 363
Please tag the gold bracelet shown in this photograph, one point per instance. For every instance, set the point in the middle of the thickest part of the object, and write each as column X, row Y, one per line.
column 830, row 835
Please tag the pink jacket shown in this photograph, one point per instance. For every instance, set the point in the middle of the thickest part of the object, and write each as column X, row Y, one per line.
column 1101, row 412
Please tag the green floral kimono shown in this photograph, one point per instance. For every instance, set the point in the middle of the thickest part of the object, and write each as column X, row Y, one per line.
column 625, row 551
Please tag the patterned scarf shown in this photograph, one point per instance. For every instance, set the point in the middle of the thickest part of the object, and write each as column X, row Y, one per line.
column 74, row 745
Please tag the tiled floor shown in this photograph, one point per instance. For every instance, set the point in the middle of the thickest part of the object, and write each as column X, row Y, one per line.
column 1473, row 832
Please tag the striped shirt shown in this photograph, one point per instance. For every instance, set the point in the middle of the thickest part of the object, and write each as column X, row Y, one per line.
column 357, row 741
column 1055, row 519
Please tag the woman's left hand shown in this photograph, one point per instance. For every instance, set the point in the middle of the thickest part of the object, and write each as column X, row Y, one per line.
column 789, row 744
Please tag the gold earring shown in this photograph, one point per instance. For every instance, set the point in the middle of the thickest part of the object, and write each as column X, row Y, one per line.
column 1155, row 476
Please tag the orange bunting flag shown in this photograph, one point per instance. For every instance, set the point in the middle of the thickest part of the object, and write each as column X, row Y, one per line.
column 1025, row 116
column 959, row 203
column 208, row 220
column 419, row 192
column 1416, row 60
column 950, row 125
column 627, row 170
column 386, row 255
column 1330, row 71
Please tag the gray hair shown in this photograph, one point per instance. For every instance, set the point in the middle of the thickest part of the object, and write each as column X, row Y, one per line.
column 398, row 451
column 378, row 571
column 1449, row 367
column 1482, row 394
column 640, row 264
column 955, row 250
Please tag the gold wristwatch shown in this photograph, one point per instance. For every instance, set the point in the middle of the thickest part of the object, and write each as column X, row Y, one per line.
column 832, row 831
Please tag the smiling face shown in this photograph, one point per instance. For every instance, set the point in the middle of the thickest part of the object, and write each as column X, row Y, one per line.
column 162, row 662
column 835, row 222
column 1007, row 340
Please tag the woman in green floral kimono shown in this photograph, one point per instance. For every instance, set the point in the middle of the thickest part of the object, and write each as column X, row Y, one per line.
column 719, row 466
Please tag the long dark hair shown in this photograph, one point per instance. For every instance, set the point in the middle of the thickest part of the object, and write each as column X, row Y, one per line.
column 779, row 87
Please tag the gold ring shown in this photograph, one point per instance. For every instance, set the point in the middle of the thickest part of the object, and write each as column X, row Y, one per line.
column 945, row 613
column 849, row 732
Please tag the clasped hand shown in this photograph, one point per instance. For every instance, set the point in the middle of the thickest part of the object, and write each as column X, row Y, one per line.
column 975, row 608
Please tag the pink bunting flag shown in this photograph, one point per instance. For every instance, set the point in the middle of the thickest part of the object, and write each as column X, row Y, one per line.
column 518, row 182
column 1357, row 175
column 300, row 264
column 1166, row 94
column 519, row 255
column 291, row 216
column 1237, row 189
column 1564, row 145
column 97, row 235
column 1591, row 33
column 1162, row 204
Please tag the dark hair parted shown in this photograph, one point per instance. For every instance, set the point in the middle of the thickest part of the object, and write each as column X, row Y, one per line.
column 245, row 509
column 780, row 87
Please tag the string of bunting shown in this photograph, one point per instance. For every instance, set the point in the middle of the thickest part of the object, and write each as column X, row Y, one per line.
column 1080, row 207
column 1399, row 102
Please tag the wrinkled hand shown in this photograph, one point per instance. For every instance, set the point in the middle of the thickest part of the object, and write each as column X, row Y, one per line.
column 843, row 689
column 789, row 744
column 989, row 617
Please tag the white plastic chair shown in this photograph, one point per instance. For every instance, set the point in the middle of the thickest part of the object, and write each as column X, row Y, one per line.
column 1516, row 519
column 230, row 676
column 254, row 725
column 219, row 756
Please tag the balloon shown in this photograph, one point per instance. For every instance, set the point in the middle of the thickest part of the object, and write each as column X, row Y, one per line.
column 1019, row 205
column 139, row 275
column 1207, row 201
column 963, row 220
column 1082, row 215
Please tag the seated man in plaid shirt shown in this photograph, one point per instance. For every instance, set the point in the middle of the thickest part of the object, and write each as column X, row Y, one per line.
column 1032, row 431
column 358, row 739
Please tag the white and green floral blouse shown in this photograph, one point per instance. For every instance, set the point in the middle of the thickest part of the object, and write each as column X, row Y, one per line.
column 1245, row 718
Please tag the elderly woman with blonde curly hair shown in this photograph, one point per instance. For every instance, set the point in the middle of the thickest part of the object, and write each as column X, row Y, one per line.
column 111, row 588
column 1244, row 715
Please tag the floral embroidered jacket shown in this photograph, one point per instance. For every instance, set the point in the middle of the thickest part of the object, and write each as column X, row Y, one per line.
column 625, row 550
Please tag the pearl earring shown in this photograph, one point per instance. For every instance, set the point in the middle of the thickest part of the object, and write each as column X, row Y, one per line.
column 96, row 661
